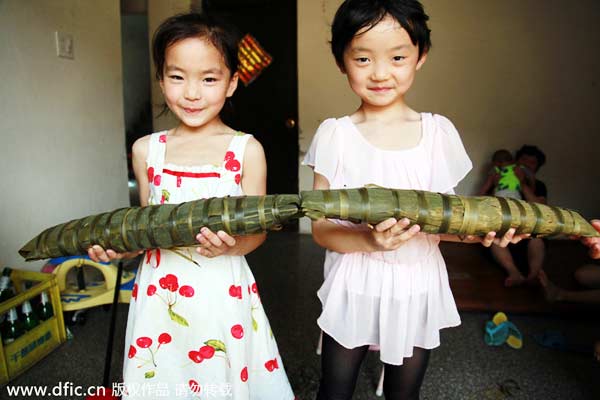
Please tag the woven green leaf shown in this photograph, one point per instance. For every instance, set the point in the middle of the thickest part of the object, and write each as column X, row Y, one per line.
column 440, row 213
column 176, row 225
column 163, row 226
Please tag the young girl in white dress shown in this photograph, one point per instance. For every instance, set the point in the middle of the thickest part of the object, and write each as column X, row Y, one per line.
column 196, row 327
column 385, row 286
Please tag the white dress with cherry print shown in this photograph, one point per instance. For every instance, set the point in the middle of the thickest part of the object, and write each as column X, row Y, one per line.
column 196, row 327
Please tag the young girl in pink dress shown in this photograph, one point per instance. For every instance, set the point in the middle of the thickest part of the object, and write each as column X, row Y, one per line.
column 385, row 286
column 196, row 327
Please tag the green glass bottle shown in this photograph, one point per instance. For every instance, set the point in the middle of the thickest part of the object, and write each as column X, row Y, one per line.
column 44, row 308
column 30, row 320
column 6, row 288
column 12, row 328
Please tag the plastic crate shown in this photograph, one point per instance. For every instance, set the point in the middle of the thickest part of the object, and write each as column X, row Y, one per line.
column 29, row 348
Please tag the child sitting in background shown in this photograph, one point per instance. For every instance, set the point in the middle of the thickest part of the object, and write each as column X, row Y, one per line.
column 505, row 178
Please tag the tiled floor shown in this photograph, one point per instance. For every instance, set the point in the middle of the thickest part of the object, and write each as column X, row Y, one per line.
column 288, row 269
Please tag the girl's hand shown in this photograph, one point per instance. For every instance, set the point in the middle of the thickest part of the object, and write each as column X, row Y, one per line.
column 593, row 243
column 508, row 238
column 391, row 234
column 520, row 173
column 214, row 244
column 98, row 254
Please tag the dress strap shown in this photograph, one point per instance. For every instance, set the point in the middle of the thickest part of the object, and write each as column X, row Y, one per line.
column 234, row 157
column 155, row 161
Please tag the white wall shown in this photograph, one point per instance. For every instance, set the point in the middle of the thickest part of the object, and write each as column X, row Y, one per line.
column 505, row 72
column 62, row 152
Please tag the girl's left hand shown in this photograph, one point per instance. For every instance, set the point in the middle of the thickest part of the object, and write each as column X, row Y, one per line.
column 593, row 243
column 508, row 238
column 214, row 244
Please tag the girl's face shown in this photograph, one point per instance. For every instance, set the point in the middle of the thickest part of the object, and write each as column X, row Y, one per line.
column 381, row 63
column 196, row 81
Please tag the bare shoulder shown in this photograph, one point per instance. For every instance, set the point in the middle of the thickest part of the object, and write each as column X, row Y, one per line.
column 140, row 147
column 254, row 148
column 254, row 154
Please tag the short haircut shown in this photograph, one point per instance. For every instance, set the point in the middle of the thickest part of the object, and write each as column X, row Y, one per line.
column 354, row 15
column 501, row 156
column 534, row 151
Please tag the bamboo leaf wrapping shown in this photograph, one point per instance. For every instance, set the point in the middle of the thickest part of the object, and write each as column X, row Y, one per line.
column 163, row 226
column 440, row 213
column 174, row 225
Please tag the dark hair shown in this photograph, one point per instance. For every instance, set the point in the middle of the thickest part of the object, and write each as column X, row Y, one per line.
column 354, row 15
column 534, row 151
column 183, row 26
column 502, row 155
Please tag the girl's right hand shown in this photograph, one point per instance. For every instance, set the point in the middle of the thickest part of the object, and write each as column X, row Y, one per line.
column 391, row 234
column 98, row 254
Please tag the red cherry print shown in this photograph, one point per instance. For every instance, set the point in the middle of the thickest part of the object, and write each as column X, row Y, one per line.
column 237, row 331
column 178, row 181
column 150, row 174
column 254, row 288
column 164, row 338
column 151, row 290
column 270, row 366
column 134, row 291
column 244, row 374
column 144, row 342
column 148, row 256
column 186, row 291
column 248, row 289
column 207, row 352
column 195, row 356
column 275, row 363
column 235, row 291
column 132, row 351
column 194, row 386
column 229, row 156
column 233, row 165
column 162, row 199
column 238, row 178
column 156, row 180
column 169, row 282
column 162, row 138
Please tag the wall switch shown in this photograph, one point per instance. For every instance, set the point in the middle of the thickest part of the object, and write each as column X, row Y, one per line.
column 64, row 45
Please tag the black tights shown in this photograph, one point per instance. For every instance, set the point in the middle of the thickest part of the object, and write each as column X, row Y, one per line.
column 340, row 368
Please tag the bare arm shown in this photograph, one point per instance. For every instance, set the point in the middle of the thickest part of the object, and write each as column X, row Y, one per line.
column 490, row 182
column 139, row 155
column 488, row 240
column 529, row 194
column 528, row 187
column 387, row 235
column 254, row 183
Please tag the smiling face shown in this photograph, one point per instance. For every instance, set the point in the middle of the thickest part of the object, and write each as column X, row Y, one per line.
column 381, row 63
column 196, row 81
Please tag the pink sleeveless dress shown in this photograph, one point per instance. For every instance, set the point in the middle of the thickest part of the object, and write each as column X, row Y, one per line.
column 395, row 299
column 196, row 327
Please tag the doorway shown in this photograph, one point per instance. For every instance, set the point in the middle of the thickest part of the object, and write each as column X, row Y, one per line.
column 137, row 103
column 268, row 106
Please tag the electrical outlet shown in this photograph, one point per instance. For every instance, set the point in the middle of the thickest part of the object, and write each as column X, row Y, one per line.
column 64, row 45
